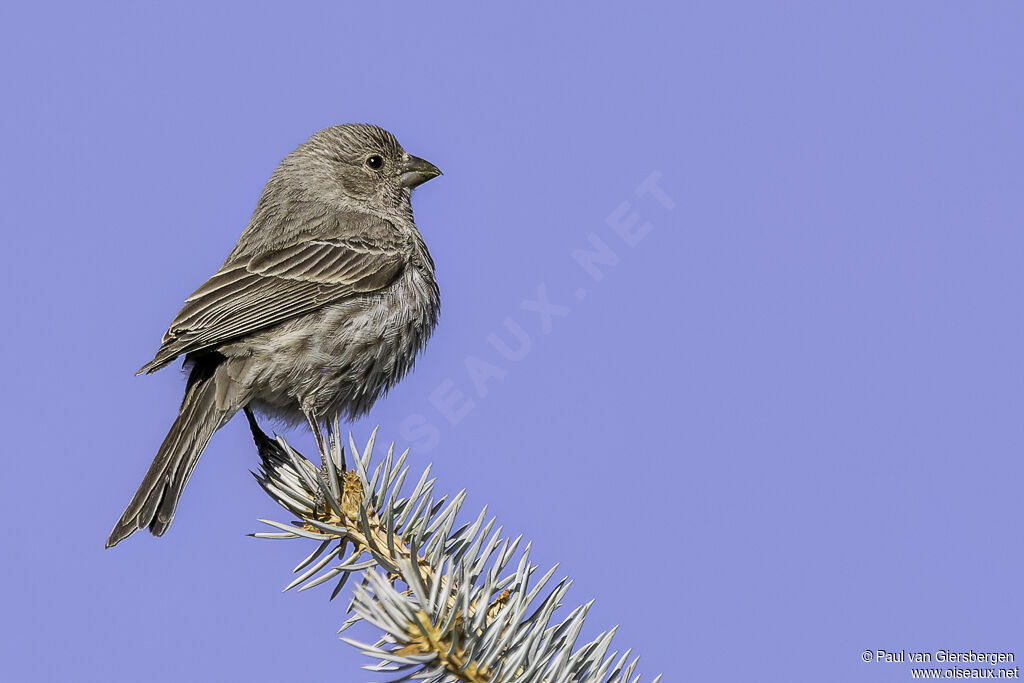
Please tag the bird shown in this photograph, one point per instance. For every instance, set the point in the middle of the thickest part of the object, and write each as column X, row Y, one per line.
column 323, row 305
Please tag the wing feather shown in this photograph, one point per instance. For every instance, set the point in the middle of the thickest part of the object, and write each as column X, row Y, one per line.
column 247, row 295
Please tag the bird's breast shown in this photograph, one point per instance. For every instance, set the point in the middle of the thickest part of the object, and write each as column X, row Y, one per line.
column 343, row 357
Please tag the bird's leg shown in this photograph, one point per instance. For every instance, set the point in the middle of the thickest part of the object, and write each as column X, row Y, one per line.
column 257, row 433
column 328, row 471
column 334, row 440
column 314, row 426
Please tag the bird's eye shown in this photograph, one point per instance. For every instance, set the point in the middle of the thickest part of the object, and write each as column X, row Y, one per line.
column 374, row 162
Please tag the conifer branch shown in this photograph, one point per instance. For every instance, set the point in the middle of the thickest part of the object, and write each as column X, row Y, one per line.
column 448, row 607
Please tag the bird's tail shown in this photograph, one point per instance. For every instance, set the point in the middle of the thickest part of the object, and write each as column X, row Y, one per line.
column 202, row 413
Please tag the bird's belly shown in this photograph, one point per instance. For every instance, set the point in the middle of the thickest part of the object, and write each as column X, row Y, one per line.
column 342, row 358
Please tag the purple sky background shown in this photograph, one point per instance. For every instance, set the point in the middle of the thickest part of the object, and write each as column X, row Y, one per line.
column 783, row 428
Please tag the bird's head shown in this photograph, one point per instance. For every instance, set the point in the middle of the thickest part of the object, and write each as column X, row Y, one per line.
column 360, row 164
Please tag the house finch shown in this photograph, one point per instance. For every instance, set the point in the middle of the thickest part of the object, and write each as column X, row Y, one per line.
column 321, row 307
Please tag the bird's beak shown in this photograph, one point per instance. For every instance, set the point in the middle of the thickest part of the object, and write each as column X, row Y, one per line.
column 417, row 171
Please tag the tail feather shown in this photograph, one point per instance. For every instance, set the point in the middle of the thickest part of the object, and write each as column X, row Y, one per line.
column 156, row 499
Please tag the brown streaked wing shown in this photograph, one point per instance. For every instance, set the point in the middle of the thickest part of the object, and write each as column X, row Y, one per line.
column 243, row 297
